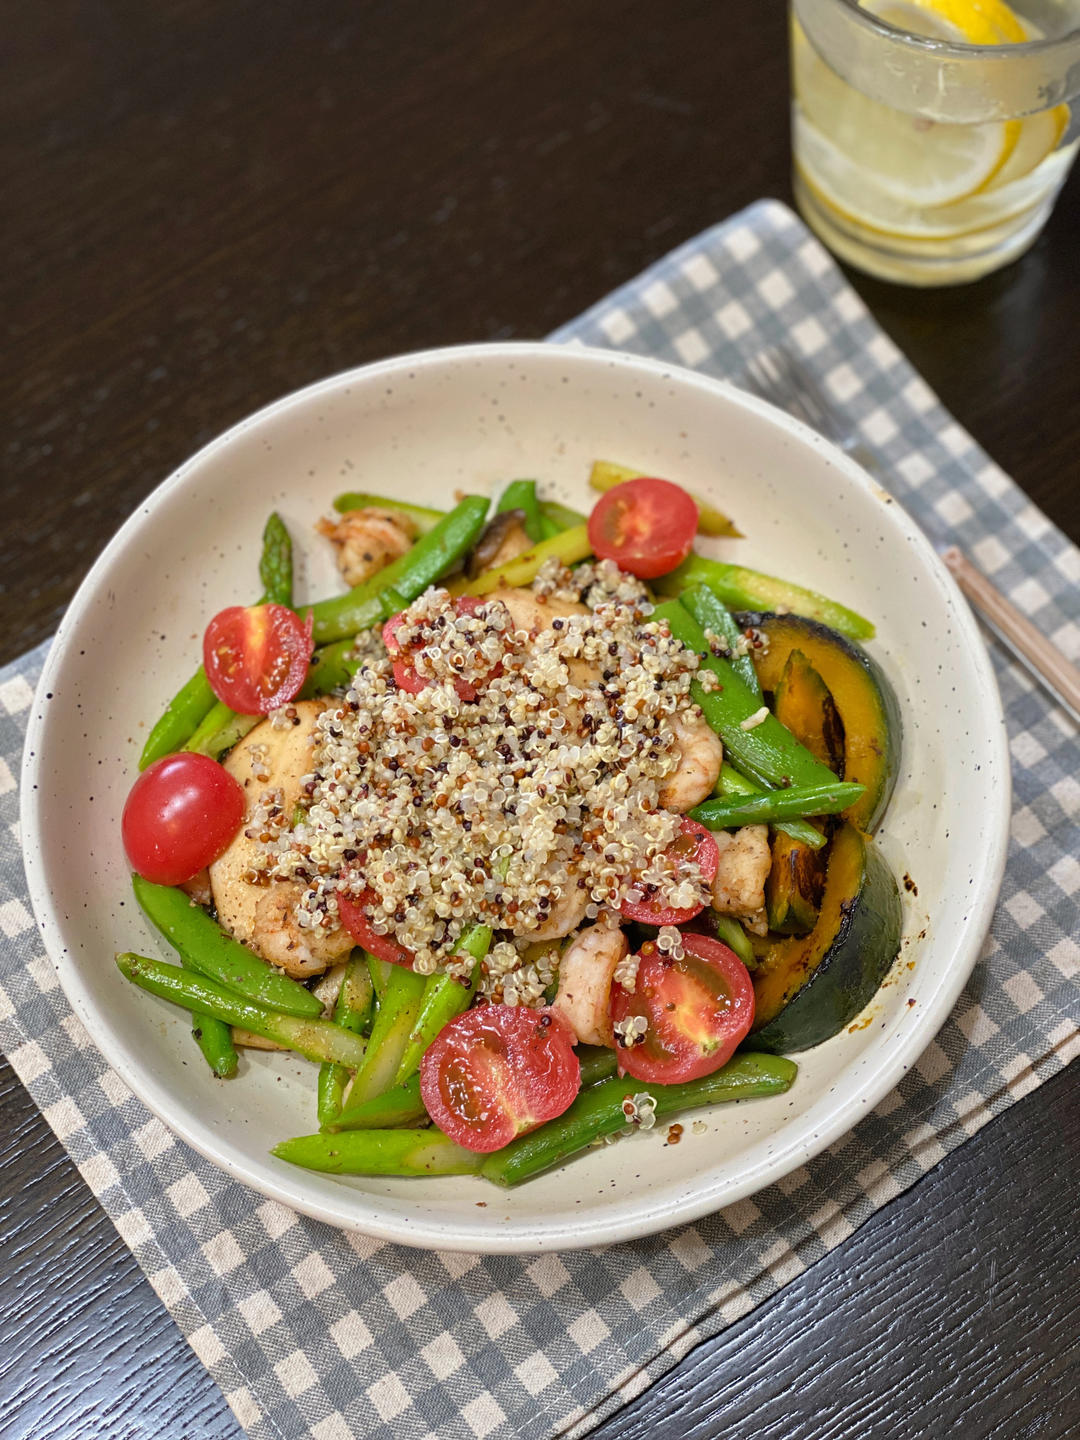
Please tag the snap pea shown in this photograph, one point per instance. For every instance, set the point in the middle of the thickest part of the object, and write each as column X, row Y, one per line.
column 205, row 947
column 561, row 516
column 422, row 516
column 352, row 1009
column 185, row 710
column 521, row 495
column 599, row 1111
column 332, row 668
column 380, row 1152
column 732, row 783
column 743, row 589
column 443, row 998
column 214, row 1039
column 402, row 1105
column 444, row 544
column 597, row 1063
column 399, row 1006
column 315, row 1039
column 570, row 546
column 711, row 615
column 767, row 751
column 768, row 806
column 605, row 475
column 731, row 933
column 276, row 562
column 219, row 730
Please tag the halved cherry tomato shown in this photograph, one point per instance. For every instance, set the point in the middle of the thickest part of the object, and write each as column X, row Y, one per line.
column 405, row 676
column 698, row 1010
column 692, row 844
column 181, row 814
column 257, row 656
column 496, row 1072
column 646, row 526
column 354, row 917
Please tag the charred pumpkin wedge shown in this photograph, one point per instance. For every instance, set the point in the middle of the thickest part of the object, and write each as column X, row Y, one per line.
column 863, row 697
column 807, row 988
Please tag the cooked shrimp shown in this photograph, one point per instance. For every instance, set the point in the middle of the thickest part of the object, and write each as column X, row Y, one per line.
column 368, row 539
column 529, row 612
column 701, row 754
column 564, row 916
column 745, row 860
column 586, row 971
column 270, row 763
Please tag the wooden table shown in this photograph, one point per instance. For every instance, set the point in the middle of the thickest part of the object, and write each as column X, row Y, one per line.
column 212, row 202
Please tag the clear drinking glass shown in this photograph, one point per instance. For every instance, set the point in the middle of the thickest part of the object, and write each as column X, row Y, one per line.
column 930, row 137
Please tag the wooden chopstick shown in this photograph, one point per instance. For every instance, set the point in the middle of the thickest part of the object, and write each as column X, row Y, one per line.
column 1030, row 646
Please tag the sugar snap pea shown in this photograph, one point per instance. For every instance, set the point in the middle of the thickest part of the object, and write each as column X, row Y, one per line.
column 712, row 616
column 205, row 947
column 411, row 574
column 443, row 998
column 599, row 1111
column 761, row 747
column 380, row 1152
column 561, row 516
column 214, row 1039
column 521, row 495
column 401, row 1105
column 731, row 782
column 768, row 806
column 743, row 589
column 316, row 1039
column 399, row 1006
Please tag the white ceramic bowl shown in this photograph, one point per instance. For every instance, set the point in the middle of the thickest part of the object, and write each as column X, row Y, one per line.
column 421, row 427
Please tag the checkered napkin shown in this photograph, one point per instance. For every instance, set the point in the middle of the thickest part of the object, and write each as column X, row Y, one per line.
column 312, row 1332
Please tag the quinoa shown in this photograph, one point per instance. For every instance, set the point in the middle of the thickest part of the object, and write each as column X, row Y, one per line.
column 519, row 787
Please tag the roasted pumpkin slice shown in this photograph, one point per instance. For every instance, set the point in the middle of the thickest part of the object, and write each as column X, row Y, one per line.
column 807, row 988
column 802, row 702
column 863, row 697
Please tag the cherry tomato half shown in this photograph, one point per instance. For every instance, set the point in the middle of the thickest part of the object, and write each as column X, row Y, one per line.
column 257, row 656
column 354, row 917
column 646, row 526
column 496, row 1072
column 181, row 814
column 698, row 1010
column 693, row 843
column 405, row 676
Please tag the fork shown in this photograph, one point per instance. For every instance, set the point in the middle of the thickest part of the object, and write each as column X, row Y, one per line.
column 776, row 375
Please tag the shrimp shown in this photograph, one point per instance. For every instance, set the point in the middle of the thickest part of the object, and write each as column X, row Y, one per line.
column 270, row 763
column 586, row 972
column 701, row 753
column 564, row 916
column 368, row 539
column 745, row 860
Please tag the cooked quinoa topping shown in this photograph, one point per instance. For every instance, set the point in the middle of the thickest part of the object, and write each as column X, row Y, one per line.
column 520, row 785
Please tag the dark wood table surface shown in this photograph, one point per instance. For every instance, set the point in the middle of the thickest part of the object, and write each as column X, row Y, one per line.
column 211, row 202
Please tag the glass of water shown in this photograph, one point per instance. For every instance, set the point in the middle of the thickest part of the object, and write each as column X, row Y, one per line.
column 930, row 137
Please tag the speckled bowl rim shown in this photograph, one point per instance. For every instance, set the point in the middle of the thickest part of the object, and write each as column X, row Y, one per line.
column 357, row 1212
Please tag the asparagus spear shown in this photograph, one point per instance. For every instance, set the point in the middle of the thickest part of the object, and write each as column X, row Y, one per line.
column 353, row 1010
column 380, row 1152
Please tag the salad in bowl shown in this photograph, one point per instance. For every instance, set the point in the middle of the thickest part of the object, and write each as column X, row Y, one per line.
column 545, row 830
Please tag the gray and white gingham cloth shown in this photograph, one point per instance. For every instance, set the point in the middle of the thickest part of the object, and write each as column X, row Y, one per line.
column 312, row 1332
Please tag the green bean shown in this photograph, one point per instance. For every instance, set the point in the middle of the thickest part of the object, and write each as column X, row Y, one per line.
column 332, row 668
column 599, row 1111
column 205, row 947
column 756, row 741
column 315, row 1039
column 380, row 1152
column 742, row 589
column 569, row 547
column 219, row 730
column 521, row 495
column 422, row 516
column 732, row 783
column 711, row 615
column 410, row 574
column 731, row 933
column 182, row 715
column 561, row 516
column 597, row 1063
column 214, row 1039
column 276, row 562
column 443, row 998
column 399, row 1006
column 765, row 808
column 402, row 1105
column 352, row 1009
